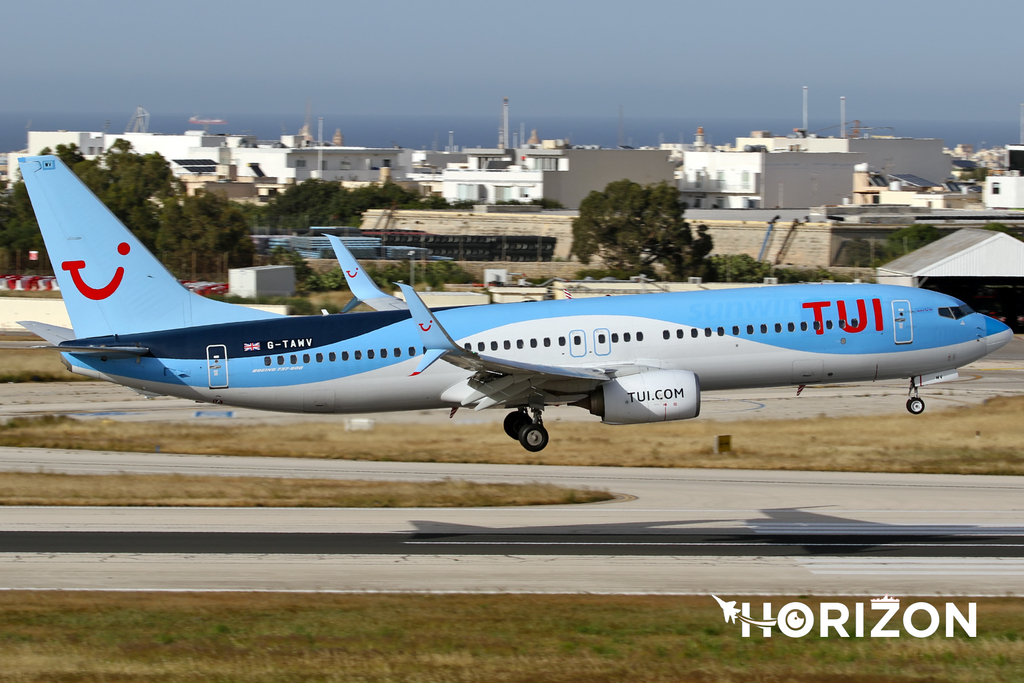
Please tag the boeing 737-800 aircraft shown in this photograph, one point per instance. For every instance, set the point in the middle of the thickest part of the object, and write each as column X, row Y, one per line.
column 629, row 359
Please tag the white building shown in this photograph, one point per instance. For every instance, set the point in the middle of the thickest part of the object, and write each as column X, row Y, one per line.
column 764, row 179
column 198, row 152
column 565, row 175
column 1006, row 191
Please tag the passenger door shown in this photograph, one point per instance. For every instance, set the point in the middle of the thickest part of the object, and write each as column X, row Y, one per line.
column 902, row 322
column 217, row 366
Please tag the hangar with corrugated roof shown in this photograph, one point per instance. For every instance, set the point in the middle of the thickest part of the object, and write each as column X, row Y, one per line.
column 984, row 268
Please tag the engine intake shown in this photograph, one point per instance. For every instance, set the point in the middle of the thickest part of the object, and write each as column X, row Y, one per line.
column 654, row 396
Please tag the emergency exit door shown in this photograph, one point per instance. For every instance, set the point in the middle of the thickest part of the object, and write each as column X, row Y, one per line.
column 217, row 366
column 902, row 322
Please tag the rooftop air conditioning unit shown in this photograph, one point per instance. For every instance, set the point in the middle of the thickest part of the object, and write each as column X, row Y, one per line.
column 694, row 280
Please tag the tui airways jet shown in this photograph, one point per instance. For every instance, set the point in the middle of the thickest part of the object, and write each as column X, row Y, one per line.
column 628, row 359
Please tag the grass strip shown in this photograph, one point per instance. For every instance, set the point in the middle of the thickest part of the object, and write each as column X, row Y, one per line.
column 86, row 637
column 173, row 490
column 982, row 439
column 35, row 365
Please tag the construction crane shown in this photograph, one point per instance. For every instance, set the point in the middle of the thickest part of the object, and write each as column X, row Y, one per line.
column 139, row 122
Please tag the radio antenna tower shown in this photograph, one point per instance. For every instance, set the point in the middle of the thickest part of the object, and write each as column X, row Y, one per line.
column 139, row 123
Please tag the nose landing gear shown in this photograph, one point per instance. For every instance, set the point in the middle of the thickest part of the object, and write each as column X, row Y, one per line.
column 915, row 404
column 529, row 431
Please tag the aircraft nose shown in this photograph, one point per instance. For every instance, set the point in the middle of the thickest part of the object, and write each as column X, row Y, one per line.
column 997, row 334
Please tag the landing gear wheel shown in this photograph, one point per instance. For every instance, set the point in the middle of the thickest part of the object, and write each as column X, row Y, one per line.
column 514, row 422
column 915, row 405
column 533, row 437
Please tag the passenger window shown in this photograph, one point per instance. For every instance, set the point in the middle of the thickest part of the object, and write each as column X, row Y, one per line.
column 398, row 351
column 266, row 361
column 369, row 354
column 735, row 330
column 750, row 329
column 803, row 327
column 694, row 332
column 707, row 331
column 547, row 342
column 679, row 333
column 626, row 337
column 792, row 327
column 507, row 345
column 817, row 326
column 494, row 346
column 561, row 341
column 576, row 340
column 615, row 337
column 319, row 358
column 853, row 322
column 333, row 357
column 842, row 324
column 639, row 336
column 778, row 327
column 828, row 324
column 764, row 329
column 412, row 351
column 305, row 358
column 721, row 331
column 293, row 360
column 480, row 346
column 665, row 334
column 383, row 353
column 280, row 360
column 468, row 346
column 601, row 338
column 358, row 355
column 533, row 343
column 519, row 343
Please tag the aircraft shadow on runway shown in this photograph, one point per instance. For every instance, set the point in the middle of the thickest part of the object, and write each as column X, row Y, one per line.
column 780, row 531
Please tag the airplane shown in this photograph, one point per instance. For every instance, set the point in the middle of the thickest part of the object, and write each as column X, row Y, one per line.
column 729, row 609
column 628, row 360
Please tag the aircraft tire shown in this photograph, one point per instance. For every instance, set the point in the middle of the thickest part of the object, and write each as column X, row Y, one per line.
column 915, row 406
column 514, row 421
column 533, row 437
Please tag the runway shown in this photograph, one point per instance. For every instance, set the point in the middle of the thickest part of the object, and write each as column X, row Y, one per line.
column 672, row 531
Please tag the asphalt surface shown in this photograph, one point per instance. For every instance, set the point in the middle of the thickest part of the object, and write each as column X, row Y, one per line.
column 670, row 531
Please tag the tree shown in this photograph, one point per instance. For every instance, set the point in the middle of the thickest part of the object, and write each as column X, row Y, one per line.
column 737, row 268
column 207, row 225
column 632, row 227
column 912, row 237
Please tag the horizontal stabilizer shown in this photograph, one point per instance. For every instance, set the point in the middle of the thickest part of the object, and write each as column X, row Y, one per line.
column 51, row 333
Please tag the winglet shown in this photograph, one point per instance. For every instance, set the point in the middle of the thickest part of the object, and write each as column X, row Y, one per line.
column 364, row 290
column 433, row 335
column 435, row 338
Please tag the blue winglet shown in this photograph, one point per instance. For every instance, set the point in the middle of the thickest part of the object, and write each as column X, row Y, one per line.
column 428, row 359
column 433, row 335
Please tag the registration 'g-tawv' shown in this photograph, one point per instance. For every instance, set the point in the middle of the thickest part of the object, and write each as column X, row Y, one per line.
column 629, row 359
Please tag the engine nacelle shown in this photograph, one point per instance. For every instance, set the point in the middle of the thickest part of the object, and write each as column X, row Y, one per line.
column 654, row 396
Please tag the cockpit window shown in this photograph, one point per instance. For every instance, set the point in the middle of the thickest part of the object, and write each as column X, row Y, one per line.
column 956, row 312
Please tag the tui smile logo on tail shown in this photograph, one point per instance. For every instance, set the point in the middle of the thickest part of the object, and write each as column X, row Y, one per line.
column 75, row 267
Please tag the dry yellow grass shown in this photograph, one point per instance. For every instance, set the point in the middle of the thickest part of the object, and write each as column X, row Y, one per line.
column 84, row 637
column 171, row 490
column 940, row 442
column 34, row 365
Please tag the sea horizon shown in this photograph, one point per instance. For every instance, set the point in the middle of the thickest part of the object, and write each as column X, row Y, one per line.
column 432, row 131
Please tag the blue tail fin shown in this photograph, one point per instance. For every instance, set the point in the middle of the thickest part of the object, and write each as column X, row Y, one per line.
column 111, row 284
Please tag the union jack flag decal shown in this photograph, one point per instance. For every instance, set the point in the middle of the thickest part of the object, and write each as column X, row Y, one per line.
column 254, row 346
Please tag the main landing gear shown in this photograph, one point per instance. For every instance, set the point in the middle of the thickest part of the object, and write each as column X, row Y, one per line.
column 915, row 404
column 529, row 431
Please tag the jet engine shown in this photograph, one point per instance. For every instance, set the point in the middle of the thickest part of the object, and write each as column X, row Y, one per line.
column 654, row 396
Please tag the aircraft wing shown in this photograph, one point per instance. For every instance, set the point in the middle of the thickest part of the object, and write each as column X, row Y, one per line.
column 364, row 289
column 440, row 345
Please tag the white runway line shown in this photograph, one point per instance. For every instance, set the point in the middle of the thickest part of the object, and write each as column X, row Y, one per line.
column 925, row 566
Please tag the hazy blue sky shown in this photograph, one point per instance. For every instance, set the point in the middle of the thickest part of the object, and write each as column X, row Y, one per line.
column 895, row 60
